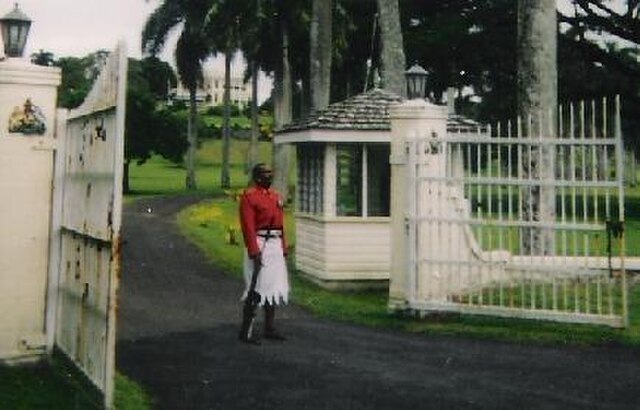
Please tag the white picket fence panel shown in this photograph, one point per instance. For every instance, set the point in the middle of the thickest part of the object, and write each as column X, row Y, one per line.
column 483, row 239
column 89, row 208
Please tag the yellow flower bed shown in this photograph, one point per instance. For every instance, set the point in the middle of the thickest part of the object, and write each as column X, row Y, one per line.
column 205, row 213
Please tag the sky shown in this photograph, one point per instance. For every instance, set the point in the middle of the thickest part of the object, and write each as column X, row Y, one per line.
column 79, row 27
column 75, row 28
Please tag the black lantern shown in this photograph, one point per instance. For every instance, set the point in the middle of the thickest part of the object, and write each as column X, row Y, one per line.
column 15, row 28
column 416, row 81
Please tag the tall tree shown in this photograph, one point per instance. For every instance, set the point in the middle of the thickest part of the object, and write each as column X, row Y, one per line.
column 594, row 68
column 393, row 60
column 149, row 129
column 43, row 58
column 354, row 43
column 320, row 53
column 252, row 28
column 160, row 76
column 225, row 22
column 78, row 74
column 254, row 35
column 75, row 83
column 282, row 101
column 191, row 50
column 252, row 158
column 225, row 178
column 537, row 105
column 618, row 18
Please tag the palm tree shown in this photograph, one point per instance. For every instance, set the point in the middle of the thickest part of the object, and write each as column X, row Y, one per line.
column 282, row 102
column 320, row 48
column 225, row 179
column 253, row 27
column 537, row 99
column 225, row 22
column 263, row 36
column 44, row 58
column 259, row 28
column 191, row 50
column 392, row 58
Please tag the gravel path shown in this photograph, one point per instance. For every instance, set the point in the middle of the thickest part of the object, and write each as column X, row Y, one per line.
column 179, row 317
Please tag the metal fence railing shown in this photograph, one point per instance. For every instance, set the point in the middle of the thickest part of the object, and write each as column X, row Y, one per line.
column 522, row 219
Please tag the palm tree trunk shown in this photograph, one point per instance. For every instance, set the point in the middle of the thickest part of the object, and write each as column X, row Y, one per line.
column 320, row 54
column 537, row 105
column 126, row 188
column 255, row 125
column 192, row 140
column 392, row 58
column 225, row 180
column 634, row 175
column 282, row 154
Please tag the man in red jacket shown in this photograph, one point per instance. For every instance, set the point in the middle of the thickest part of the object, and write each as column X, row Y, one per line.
column 265, row 269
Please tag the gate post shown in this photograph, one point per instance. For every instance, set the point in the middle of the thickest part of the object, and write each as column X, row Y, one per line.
column 27, row 146
column 410, row 120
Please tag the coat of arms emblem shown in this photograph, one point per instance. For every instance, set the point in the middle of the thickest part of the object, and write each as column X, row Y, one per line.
column 28, row 120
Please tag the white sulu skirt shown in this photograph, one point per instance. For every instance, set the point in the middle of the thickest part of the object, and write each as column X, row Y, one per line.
column 273, row 279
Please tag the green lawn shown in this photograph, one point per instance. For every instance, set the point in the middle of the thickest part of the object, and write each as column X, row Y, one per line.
column 55, row 386
column 159, row 176
column 207, row 222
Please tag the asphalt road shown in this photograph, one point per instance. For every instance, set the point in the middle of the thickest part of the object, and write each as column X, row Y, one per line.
column 179, row 316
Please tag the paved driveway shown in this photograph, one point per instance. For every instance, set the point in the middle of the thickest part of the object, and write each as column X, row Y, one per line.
column 177, row 330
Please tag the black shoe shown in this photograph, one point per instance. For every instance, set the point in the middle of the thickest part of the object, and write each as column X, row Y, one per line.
column 249, row 339
column 273, row 335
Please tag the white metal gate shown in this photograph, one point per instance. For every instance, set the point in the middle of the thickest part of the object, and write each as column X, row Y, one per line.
column 89, row 228
column 483, row 238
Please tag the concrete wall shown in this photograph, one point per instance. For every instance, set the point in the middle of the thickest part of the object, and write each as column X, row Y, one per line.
column 26, row 172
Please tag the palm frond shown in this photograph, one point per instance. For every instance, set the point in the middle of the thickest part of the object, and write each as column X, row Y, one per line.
column 159, row 24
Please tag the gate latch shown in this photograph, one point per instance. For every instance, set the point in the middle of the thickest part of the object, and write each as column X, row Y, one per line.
column 615, row 229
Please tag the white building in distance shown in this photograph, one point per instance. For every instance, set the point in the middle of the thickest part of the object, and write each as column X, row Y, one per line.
column 212, row 91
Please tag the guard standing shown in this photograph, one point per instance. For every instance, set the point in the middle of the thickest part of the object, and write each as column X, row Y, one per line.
column 265, row 269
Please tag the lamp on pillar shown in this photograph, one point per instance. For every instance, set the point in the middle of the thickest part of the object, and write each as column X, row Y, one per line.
column 416, row 77
column 15, row 29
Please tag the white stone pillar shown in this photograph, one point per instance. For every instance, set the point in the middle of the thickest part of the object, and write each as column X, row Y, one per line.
column 409, row 120
column 21, row 81
column 27, row 146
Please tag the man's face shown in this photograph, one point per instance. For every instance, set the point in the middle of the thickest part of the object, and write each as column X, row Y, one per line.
column 264, row 177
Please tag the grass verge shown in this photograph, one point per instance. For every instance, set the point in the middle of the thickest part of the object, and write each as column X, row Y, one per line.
column 129, row 395
column 209, row 221
column 55, row 384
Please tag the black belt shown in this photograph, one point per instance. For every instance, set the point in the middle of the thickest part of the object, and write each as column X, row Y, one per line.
column 269, row 233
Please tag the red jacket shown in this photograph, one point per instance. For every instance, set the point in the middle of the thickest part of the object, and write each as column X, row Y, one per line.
column 260, row 208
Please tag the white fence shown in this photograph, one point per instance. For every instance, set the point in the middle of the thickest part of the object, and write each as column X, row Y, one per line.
column 90, row 205
column 513, row 221
column 62, row 194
